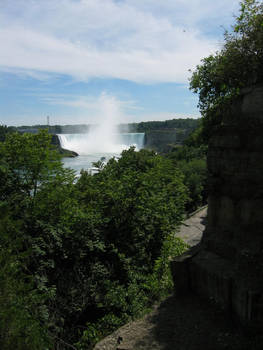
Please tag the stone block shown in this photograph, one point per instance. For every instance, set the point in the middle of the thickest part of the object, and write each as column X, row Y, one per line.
column 253, row 104
column 180, row 270
column 211, row 277
column 247, row 306
column 229, row 266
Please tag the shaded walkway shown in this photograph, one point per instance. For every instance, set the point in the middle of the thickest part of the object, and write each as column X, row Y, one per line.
column 185, row 323
column 191, row 229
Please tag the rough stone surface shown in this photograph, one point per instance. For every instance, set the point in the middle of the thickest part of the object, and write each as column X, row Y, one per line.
column 64, row 152
column 229, row 267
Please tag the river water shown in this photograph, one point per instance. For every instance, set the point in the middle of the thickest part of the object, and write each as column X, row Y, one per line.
column 91, row 149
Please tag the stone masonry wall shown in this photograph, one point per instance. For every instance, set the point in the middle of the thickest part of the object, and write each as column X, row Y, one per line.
column 229, row 265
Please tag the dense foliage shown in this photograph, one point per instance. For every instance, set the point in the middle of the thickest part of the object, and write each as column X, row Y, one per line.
column 220, row 77
column 4, row 130
column 80, row 257
column 190, row 158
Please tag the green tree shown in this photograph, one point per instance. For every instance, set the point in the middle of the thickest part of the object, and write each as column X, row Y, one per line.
column 31, row 159
column 81, row 256
column 23, row 307
column 4, row 130
column 28, row 165
column 140, row 198
column 239, row 64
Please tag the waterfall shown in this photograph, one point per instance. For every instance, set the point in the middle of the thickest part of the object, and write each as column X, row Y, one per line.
column 92, row 143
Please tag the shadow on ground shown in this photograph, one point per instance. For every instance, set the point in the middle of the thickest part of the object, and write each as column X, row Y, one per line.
column 183, row 323
column 188, row 323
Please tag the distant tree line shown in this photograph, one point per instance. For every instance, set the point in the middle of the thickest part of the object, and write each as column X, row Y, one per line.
column 56, row 129
column 187, row 123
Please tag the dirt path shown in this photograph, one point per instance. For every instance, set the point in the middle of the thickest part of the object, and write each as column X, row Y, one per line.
column 185, row 323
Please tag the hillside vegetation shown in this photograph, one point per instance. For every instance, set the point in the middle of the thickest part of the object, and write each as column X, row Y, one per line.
column 79, row 259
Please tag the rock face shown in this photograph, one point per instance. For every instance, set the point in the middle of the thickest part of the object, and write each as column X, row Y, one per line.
column 229, row 265
column 162, row 140
column 64, row 152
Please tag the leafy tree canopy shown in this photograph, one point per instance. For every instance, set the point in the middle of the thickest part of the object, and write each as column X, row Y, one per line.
column 220, row 77
column 4, row 130
column 77, row 259
column 30, row 159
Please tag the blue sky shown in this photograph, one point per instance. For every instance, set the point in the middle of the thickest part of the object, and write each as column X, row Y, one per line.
column 59, row 58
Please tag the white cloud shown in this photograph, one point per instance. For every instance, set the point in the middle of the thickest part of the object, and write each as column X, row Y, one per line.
column 88, row 109
column 89, row 104
column 142, row 41
column 191, row 13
